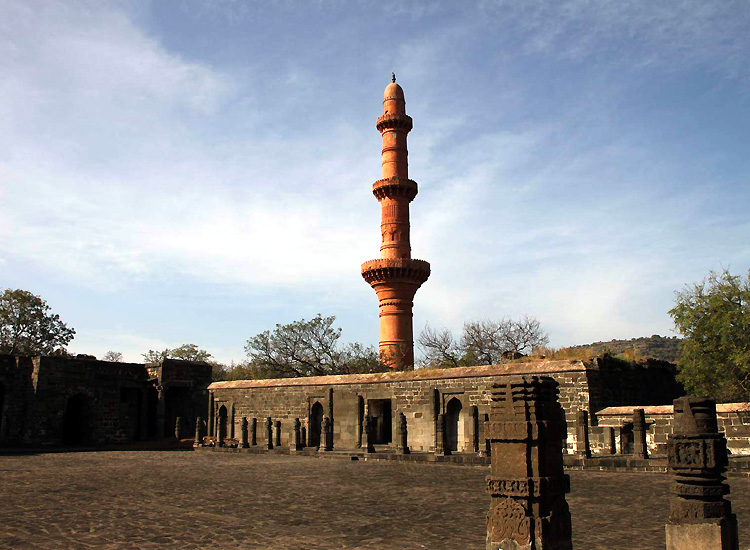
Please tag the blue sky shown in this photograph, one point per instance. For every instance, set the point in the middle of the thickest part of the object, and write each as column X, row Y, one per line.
column 196, row 172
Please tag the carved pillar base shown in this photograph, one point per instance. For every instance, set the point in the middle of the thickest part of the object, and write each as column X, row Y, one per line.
column 720, row 534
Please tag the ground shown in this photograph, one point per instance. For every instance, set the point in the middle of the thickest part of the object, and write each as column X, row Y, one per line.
column 188, row 500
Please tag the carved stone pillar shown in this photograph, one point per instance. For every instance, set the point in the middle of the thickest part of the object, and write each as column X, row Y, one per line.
column 440, row 449
column 326, row 437
column 160, row 412
column 198, row 432
column 370, row 426
column 211, row 407
column 640, row 447
column 269, row 433
column 254, row 432
column 699, row 515
column 243, row 432
column 527, row 485
column 582, row 434
column 178, row 428
column 277, row 438
column 297, row 435
column 403, row 432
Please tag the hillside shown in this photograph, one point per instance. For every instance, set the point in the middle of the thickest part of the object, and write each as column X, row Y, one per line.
column 665, row 348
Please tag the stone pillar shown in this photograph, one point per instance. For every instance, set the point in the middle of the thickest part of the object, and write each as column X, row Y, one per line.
column 611, row 440
column 178, row 428
column 211, row 408
column 198, row 432
column 699, row 515
column 160, row 410
column 370, row 433
column 326, row 439
column 277, row 439
column 403, row 447
column 243, row 431
column 482, row 439
column 527, row 485
column 583, row 448
column 303, row 436
column 254, row 432
column 640, row 449
column 297, row 436
column 143, row 428
column 231, row 421
column 474, row 429
column 269, row 433
column 440, row 449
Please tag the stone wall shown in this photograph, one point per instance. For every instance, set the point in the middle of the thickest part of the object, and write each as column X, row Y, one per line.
column 462, row 394
column 82, row 401
column 733, row 418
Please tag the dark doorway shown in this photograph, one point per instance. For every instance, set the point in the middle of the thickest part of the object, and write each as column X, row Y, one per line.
column 316, row 421
column 152, row 405
column 452, row 416
column 380, row 410
column 222, row 423
column 2, row 410
column 177, row 403
column 626, row 439
column 77, row 421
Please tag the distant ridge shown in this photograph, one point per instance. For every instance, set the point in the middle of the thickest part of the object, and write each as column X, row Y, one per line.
column 665, row 348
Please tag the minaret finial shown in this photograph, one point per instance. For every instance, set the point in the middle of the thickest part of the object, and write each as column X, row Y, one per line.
column 393, row 77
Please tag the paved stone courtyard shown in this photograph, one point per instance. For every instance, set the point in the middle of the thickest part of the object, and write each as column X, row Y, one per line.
column 186, row 500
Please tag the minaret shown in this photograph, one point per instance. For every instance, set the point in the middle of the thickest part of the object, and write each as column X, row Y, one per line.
column 395, row 276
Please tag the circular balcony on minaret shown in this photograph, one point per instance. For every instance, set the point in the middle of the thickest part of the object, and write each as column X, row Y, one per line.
column 394, row 121
column 391, row 270
column 391, row 188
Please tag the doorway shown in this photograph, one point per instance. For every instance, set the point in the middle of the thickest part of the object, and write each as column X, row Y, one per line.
column 380, row 410
column 316, row 421
column 452, row 417
column 77, row 421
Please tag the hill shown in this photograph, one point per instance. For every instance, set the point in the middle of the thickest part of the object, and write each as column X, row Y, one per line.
column 665, row 348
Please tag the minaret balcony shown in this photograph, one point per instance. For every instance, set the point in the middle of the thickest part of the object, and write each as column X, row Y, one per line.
column 387, row 270
column 394, row 121
column 392, row 188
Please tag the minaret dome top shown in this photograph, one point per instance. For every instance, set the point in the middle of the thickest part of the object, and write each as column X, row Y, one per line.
column 393, row 99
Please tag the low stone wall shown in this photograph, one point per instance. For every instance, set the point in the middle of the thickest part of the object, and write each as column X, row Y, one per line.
column 462, row 395
column 733, row 418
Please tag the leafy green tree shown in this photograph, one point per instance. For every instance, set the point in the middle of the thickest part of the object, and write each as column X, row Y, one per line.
column 186, row 352
column 307, row 348
column 114, row 356
column 714, row 318
column 28, row 328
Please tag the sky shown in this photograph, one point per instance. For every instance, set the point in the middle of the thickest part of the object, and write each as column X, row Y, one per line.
column 199, row 171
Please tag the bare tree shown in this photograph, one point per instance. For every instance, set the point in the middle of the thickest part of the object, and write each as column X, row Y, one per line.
column 439, row 347
column 114, row 356
column 485, row 342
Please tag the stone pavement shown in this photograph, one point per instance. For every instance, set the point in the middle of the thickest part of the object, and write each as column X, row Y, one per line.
column 186, row 500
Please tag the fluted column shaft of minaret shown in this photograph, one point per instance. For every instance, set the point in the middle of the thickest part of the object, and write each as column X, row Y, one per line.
column 394, row 220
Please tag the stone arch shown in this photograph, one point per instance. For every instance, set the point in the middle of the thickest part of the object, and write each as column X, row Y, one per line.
column 452, row 423
column 221, row 423
column 316, row 421
column 78, row 421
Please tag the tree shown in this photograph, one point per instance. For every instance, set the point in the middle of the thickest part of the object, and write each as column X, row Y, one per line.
column 308, row 348
column 186, row 352
column 714, row 318
column 28, row 328
column 484, row 342
column 114, row 356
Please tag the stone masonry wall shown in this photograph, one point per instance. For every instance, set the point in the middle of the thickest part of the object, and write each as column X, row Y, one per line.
column 420, row 395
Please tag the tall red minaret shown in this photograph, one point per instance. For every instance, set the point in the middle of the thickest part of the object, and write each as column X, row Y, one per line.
column 395, row 276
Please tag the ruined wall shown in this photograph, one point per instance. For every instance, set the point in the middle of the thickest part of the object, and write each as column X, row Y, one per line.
column 420, row 395
column 733, row 418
